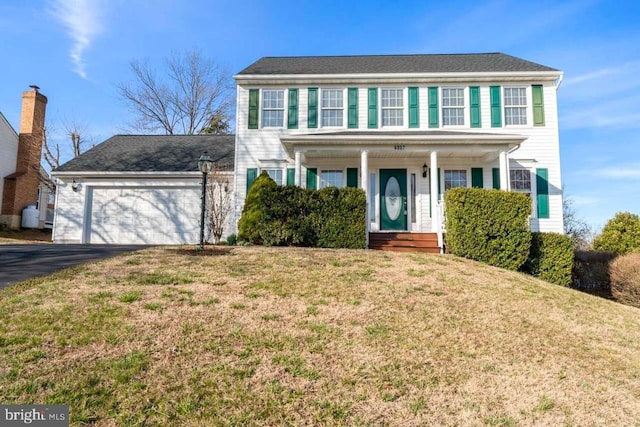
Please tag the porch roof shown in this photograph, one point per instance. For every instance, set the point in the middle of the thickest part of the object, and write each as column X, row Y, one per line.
column 403, row 141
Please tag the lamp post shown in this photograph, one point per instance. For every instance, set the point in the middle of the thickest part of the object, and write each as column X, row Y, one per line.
column 204, row 165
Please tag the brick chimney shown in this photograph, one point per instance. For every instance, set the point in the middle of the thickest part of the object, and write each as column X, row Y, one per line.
column 21, row 187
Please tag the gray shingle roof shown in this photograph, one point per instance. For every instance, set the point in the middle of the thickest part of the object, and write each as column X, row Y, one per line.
column 153, row 153
column 374, row 64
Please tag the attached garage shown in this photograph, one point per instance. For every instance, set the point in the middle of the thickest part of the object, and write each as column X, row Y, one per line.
column 137, row 190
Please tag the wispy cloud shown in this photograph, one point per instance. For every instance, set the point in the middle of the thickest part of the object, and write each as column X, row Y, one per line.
column 81, row 20
column 623, row 172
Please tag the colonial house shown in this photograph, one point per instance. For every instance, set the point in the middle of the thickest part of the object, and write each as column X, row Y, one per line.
column 405, row 129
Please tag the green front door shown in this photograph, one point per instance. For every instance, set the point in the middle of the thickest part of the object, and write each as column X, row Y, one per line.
column 393, row 199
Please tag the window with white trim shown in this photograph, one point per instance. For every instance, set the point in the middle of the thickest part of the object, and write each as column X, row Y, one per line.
column 455, row 178
column 332, row 107
column 452, row 106
column 515, row 106
column 272, row 108
column 520, row 180
column 275, row 174
column 331, row 178
column 392, row 107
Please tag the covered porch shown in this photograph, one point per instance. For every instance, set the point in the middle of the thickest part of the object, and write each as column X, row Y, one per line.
column 403, row 173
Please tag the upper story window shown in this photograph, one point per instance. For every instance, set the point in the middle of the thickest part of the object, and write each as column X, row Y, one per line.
column 520, row 180
column 515, row 106
column 455, row 178
column 332, row 107
column 453, row 107
column 275, row 174
column 272, row 108
column 331, row 178
column 392, row 107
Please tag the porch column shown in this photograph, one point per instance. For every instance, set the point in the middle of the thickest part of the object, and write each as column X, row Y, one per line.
column 504, row 171
column 433, row 190
column 364, row 184
column 298, row 179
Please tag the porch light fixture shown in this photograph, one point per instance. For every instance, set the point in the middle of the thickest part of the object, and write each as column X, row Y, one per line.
column 205, row 163
column 75, row 186
column 425, row 169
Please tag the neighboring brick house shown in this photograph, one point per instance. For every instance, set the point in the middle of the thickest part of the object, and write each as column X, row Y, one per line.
column 405, row 129
column 20, row 156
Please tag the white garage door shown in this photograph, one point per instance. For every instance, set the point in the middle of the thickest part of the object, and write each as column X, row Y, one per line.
column 139, row 215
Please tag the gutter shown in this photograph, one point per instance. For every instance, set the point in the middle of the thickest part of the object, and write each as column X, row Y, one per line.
column 110, row 175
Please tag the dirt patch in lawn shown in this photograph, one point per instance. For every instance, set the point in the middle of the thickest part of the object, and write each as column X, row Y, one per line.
column 10, row 237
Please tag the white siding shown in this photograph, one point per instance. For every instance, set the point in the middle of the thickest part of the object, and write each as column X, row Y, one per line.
column 258, row 148
column 8, row 152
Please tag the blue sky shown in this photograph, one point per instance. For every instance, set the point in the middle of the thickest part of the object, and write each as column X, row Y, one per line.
column 77, row 51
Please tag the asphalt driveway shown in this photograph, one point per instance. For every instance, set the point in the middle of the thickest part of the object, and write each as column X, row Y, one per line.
column 22, row 262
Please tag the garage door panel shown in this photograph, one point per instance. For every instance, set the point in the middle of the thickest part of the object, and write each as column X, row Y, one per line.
column 145, row 215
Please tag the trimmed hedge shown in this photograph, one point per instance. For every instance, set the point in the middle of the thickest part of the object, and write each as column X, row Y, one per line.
column 491, row 226
column 550, row 258
column 292, row 216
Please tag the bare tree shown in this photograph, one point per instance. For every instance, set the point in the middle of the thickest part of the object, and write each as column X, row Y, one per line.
column 74, row 146
column 192, row 94
column 218, row 206
column 576, row 228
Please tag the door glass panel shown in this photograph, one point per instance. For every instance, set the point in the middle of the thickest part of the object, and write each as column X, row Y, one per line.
column 372, row 197
column 393, row 198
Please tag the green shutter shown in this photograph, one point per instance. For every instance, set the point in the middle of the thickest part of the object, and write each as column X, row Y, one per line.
column 373, row 108
column 254, row 102
column 477, row 180
column 312, row 113
column 496, row 107
column 433, row 107
column 291, row 176
column 414, row 113
column 538, row 105
column 252, row 174
column 292, row 122
column 496, row 178
column 474, row 104
column 542, row 184
column 352, row 177
column 352, row 103
column 312, row 178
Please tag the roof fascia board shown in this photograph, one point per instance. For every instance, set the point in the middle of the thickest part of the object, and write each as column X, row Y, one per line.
column 100, row 174
column 398, row 77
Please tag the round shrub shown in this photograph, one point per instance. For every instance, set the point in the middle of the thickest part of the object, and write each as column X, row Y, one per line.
column 620, row 235
column 254, row 208
column 625, row 279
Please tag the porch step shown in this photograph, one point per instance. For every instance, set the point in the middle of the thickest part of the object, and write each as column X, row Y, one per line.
column 404, row 242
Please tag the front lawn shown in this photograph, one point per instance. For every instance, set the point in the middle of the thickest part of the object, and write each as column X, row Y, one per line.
column 308, row 336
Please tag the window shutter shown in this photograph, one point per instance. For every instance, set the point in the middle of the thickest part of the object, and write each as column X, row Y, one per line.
column 352, row 102
column 414, row 117
column 292, row 122
column 433, row 107
column 496, row 178
column 477, row 180
column 352, row 177
column 252, row 174
column 542, row 184
column 254, row 102
column 538, row 105
column 373, row 108
column 291, row 176
column 312, row 114
column 496, row 108
column 312, row 178
column 474, row 104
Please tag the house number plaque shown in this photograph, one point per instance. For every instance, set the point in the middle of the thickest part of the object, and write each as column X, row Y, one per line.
column 398, row 147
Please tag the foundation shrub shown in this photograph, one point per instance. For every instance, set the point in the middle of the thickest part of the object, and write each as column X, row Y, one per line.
column 621, row 234
column 550, row 258
column 488, row 225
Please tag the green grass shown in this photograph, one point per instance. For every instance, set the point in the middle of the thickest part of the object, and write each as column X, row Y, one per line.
column 284, row 336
